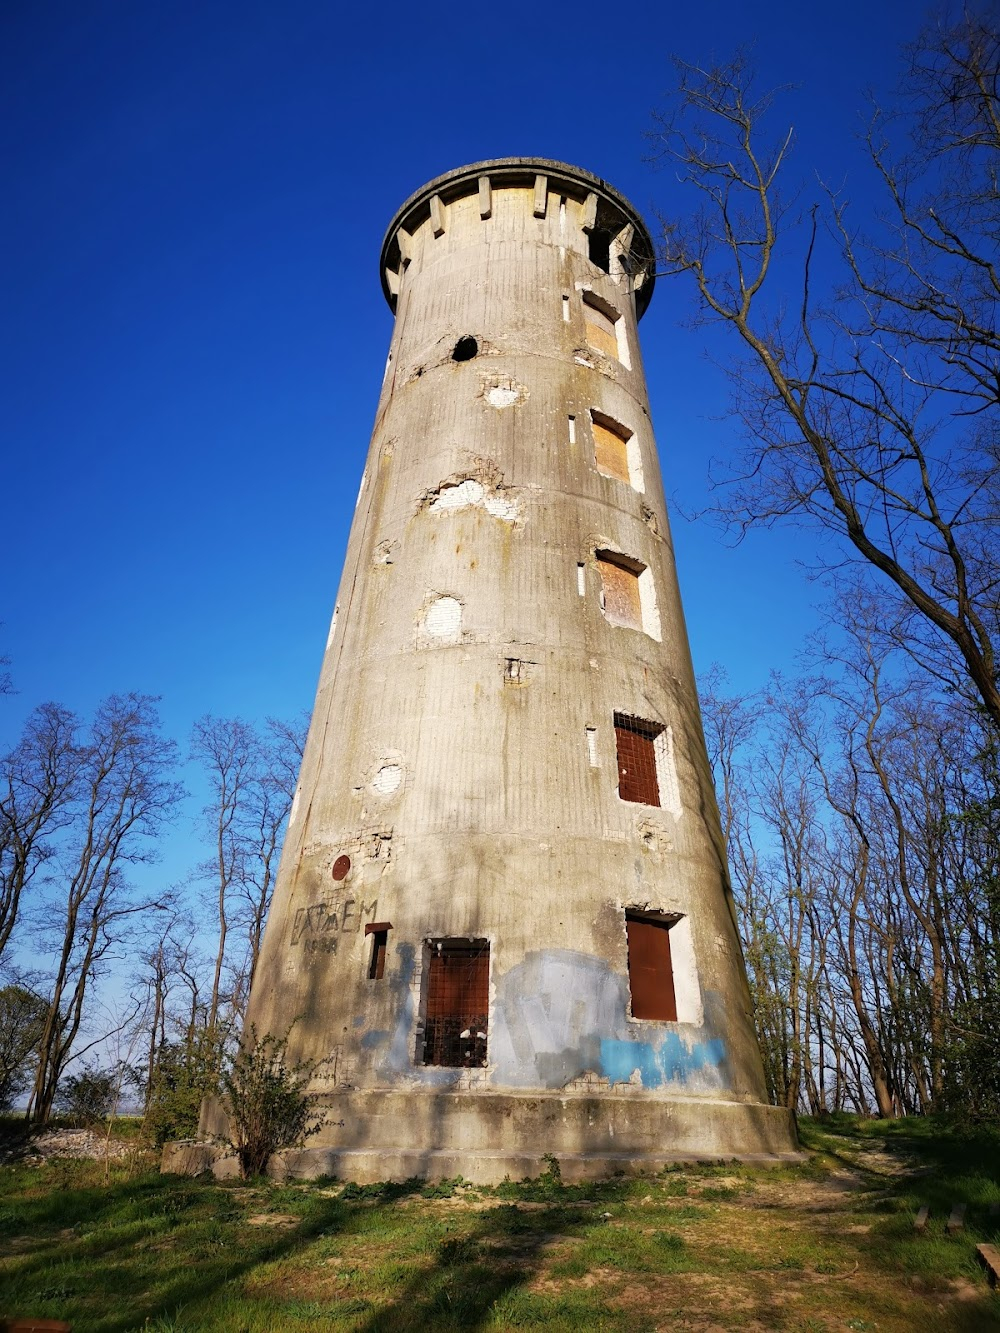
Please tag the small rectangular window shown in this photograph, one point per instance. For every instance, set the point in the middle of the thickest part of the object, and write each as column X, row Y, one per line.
column 599, row 249
column 621, row 599
column 592, row 747
column 636, row 742
column 610, row 450
column 650, row 968
column 458, row 980
column 616, row 451
column 379, row 932
column 376, row 968
column 599, row 323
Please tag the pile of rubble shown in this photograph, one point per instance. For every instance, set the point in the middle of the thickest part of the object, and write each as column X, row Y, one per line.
column 34, row 1148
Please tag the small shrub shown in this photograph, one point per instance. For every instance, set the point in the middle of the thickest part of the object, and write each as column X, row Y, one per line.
column 265, row 1099
column 89, row 1096
column 184, row 1074
column 553, row 1171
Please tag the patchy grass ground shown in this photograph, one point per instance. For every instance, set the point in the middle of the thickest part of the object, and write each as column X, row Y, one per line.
column 826, row 1246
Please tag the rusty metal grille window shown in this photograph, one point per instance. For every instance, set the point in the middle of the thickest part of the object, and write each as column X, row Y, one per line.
column 621, row 603
column 600, row 330
column 636, row 742
column 610, row 451
column 650, row 969
column 458, row 980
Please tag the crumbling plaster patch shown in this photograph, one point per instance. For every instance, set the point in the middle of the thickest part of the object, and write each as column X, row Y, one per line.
column 440, row 620
column 388, row 779
column 485, row 490
column 503, row 392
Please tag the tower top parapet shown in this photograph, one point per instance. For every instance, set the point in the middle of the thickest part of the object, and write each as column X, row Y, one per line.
column 617, row 234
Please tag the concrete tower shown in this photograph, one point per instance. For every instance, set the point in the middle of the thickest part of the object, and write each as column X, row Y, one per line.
column 503, row 919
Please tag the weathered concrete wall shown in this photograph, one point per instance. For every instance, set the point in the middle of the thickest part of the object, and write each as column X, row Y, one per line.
column 462, row 750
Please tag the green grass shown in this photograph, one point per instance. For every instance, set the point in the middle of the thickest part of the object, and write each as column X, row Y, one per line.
column 827, row 1245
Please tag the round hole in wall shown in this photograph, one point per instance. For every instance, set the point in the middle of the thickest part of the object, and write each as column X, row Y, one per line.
column 341, row 866
column 465, row 349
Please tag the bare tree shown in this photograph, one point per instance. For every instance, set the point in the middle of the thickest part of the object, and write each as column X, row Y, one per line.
column 252, row 775
column 38, row 781
column 124, row 794
column 876, row 417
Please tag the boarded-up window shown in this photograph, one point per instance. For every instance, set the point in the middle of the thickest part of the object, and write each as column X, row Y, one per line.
column 650, row 970
column 622, row 604
column 636, row 742
column 600, row 328
column 458, row 981
column 611, row 450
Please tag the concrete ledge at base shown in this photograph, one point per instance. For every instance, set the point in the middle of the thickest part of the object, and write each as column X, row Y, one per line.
column 191, row 1157
column 366, row 1167
column 395, row 1134
column 481, row 1168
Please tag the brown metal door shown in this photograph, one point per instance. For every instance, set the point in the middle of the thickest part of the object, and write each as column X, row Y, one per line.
column 650, row 970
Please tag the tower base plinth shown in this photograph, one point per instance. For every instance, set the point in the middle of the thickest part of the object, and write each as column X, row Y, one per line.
column 484, row 1137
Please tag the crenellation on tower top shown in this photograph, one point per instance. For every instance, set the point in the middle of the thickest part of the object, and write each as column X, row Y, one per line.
column 581, row 211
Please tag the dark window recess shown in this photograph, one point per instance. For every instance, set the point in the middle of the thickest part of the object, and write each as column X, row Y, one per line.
column 637, row 760
column 379, row 931
column 465, row 349
column 650, row 970
column 376, row 968
column 458, row 981
column 599, row 249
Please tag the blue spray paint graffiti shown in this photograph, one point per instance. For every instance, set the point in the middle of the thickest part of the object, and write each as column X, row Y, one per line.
column 557, row 1016
column 671, row 1061
column 561, row 1014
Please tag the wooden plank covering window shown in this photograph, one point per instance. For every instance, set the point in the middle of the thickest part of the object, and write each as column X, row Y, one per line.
column 637, row 760
column 600, row 330
column 650, row 970
column 610, row 451
column 622, row 604
column 458, row 980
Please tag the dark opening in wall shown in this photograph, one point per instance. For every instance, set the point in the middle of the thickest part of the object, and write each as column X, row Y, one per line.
column 376, row 968
column 650, row 968
column 379, row 932
column 599, row 249
column 458, row 988
column 465, row 349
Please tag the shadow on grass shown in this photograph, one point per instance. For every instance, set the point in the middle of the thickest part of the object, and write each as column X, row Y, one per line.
column 936, row 1164
column 105, row 1235
column 115, row 1258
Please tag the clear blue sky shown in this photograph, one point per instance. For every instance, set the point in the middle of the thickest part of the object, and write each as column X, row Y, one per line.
column 193, row 333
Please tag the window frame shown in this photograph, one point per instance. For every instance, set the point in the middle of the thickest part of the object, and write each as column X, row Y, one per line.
column 649, row 951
